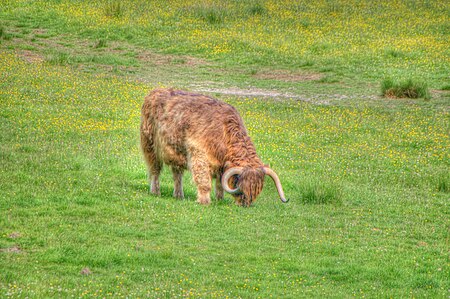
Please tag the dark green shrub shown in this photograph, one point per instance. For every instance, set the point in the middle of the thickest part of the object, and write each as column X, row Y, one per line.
column 404, row 89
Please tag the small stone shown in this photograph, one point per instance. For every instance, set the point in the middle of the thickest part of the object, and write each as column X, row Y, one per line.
column 14, row 235
column 86, row 271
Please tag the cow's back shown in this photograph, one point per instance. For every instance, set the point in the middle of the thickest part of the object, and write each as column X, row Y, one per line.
column 182, row 121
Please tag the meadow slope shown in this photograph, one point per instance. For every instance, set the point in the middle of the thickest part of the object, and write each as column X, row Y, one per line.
column 367, row 176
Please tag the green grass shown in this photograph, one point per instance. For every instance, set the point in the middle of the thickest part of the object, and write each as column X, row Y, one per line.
column 367, row 176
column 373, row 40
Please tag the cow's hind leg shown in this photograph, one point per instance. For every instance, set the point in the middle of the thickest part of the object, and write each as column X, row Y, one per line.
column 154, row 166
column 178, row 182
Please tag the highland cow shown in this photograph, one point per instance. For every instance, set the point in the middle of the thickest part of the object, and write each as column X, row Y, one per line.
column 206, row 136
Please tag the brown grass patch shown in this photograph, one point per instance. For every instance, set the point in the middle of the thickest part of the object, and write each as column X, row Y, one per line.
column 40, row 31
column 31, row 57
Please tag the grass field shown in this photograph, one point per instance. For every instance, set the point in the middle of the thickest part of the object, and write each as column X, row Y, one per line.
column 367, row 176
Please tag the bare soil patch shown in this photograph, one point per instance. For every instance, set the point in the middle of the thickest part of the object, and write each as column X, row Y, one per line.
column 165, row 59
column 14, row 235
column 251, row 92
column 260, row 93
column 13, row 249
column 288, row 76
column 323, row 99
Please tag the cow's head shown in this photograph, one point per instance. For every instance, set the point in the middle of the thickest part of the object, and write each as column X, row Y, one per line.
column 246, row 183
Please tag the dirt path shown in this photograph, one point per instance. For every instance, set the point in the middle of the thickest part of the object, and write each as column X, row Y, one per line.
column 263, row 93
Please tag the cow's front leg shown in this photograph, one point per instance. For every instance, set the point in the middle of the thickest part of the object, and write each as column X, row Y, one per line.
column 219, row 188
column 201, row 175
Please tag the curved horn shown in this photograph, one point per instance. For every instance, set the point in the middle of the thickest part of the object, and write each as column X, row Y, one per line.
column 226, row 177
column 277, row 182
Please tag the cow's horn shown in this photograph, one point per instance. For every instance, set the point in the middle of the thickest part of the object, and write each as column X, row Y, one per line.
column 277, row 182
column 226, row 177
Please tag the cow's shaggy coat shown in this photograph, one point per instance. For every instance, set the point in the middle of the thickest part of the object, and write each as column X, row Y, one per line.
column 196, row 132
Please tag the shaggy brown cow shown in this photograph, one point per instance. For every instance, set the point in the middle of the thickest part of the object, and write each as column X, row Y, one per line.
column 196, row 132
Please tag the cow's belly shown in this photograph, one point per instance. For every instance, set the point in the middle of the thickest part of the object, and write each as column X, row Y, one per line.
column 170, row 153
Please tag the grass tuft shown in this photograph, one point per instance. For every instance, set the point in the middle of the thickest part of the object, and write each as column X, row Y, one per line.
column 211, row 14
column 101, row 43
column 394, row 53
column 404, row 89
column 256, row 8
column 317, row 192
column 4, row 35
column 115, row 9
column 328, row 79
column 59, row 58
column 443, row 184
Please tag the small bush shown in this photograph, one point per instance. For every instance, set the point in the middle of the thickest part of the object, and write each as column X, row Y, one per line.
column 406, row 89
